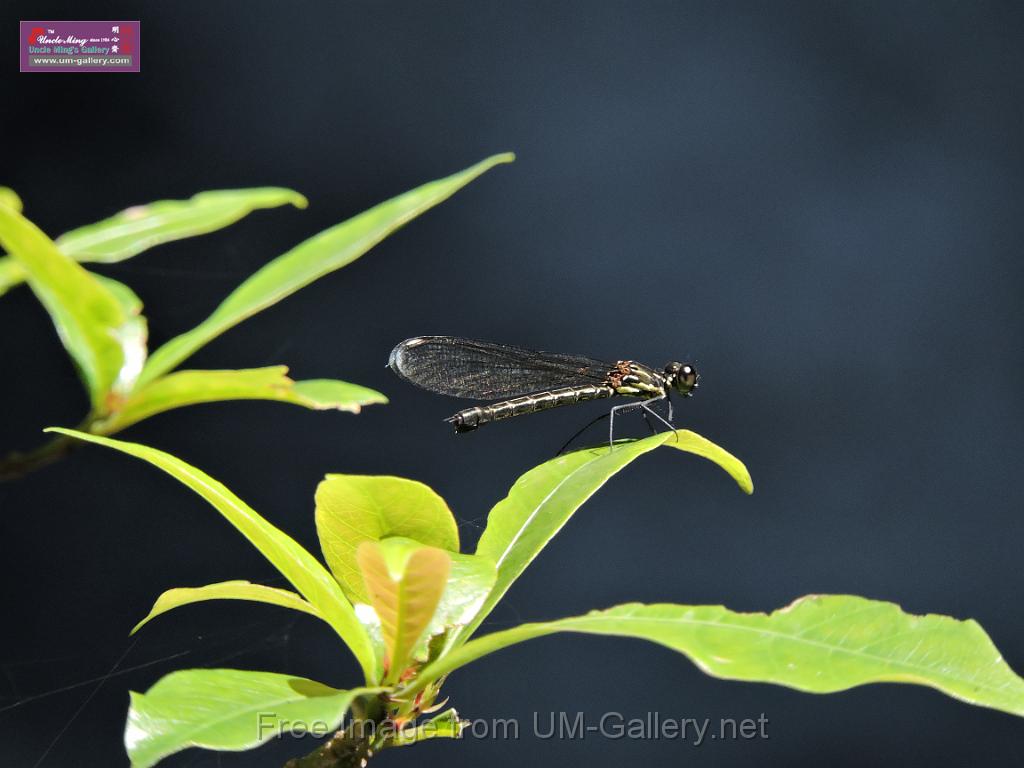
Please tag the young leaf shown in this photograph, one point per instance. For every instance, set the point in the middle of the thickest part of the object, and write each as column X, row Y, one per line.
column 311, row 579
column 446, row 725
column 310, row 260
column 227, row 590
column 405, row 585
column 469, row 581
column 140, row 227
column 819, row 644
column 351, row 509
column 182, row 388
column 133, row 335
column 542, row 501
column 92, row 322
column 227, row 710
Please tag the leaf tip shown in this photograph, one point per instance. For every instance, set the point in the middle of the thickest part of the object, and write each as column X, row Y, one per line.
column 75, row 433
column 10, row 198
column 690, row 442
column 494, row 160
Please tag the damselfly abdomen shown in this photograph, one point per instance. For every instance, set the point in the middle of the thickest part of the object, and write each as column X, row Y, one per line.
column 527, row 381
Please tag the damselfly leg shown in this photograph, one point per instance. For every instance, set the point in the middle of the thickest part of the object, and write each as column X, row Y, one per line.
column 625, row 407
column 580, row 431
column 650, row 426
column 646, row 406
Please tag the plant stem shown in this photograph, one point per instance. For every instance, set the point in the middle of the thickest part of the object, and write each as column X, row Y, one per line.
column 351, row 747
column 16, row 464
column 343, row 750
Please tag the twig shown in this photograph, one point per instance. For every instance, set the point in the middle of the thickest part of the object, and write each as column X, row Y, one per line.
column 343, row 750
column 17, row 464
column 353, row 746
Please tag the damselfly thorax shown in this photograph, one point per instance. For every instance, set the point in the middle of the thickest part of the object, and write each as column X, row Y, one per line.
column 524, row 381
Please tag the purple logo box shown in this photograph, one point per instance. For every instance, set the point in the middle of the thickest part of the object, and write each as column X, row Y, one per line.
column 80, row 46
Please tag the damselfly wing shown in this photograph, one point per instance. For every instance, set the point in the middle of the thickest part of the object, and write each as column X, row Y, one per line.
column 526, row 381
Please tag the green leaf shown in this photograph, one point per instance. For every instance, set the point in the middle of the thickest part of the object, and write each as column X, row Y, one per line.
column 331, row 394
column 470, row 581
column 227, row 590
column 351, row 509
column 691, row 442
column 101, row 337
column 228, row 710
column 819, row 644
column 11, row 274
column 310, row 260
column 405, row 584
column 306, row 574
column 182, row 388
column 10, row 198
column 542, row 501
column 140, row 227
column 136, row 229
column 127, row 298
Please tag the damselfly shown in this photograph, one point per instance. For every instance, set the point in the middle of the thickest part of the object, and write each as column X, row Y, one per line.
column 527, row 381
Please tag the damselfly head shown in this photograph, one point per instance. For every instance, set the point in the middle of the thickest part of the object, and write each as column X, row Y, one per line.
column 682, row 377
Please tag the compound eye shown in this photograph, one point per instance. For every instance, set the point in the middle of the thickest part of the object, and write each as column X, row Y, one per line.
column 689, row 376
column 683, row 376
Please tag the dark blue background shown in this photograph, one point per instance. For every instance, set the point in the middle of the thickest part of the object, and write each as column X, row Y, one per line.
column 820, row 203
